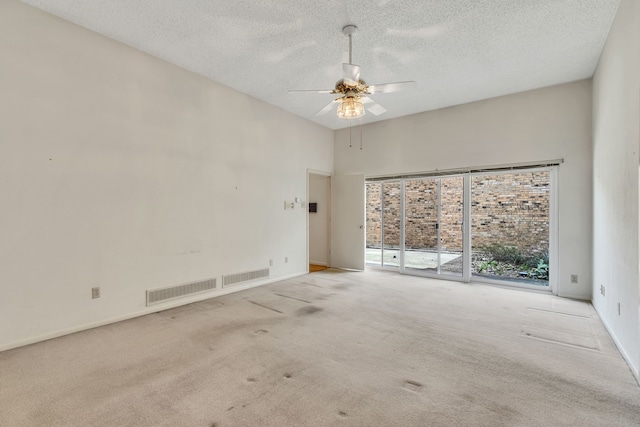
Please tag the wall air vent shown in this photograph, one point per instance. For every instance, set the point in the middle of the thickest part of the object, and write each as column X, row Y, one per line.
column 156, row 296
column 232, row 279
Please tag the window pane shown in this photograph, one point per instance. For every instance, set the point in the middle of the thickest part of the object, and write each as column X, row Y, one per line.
column 391, row 222
column 421, row 222
column 374, row 223
column 451, row 196
column 510, row 227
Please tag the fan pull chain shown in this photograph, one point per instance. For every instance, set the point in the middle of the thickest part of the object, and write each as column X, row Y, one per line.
column 349, row 133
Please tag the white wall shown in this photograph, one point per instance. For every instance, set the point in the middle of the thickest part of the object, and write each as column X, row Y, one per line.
column 122, row 171
column 539, row 125
column 320, row 193
column 616, row 147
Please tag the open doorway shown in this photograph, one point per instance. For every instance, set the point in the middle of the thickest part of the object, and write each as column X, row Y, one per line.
column 431, row 230
column 319, row 211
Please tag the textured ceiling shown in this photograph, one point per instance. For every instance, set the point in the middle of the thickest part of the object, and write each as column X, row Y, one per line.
column 457, row 51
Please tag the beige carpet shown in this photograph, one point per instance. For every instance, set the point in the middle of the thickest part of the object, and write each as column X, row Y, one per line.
column 332, row 349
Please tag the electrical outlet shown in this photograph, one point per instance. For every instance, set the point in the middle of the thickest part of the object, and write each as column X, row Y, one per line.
column 270, row 263
column 286, row 260
column 602, row 290
column 95, row 293
column 574, row 278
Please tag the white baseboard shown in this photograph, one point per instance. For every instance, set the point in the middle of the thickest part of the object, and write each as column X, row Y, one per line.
column 147, row 310
column 578, row 297
column 621, row 349
column 325, row 264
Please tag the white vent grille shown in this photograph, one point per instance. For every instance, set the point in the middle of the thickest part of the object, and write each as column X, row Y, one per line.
column 156, row 296
column 231, row 279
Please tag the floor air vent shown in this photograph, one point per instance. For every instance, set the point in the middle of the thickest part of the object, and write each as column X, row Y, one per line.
column 232, row 279
column 156, row 296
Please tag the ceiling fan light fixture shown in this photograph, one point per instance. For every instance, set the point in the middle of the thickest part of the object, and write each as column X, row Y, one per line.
column 350, row 108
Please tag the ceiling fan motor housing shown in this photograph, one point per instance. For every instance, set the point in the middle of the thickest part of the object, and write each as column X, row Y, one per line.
column 342, row 87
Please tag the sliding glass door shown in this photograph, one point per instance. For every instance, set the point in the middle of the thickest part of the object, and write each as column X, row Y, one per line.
column 373, row 206
column 492, row 227
column 433, row 225
column 383, row 218
column 391, row 214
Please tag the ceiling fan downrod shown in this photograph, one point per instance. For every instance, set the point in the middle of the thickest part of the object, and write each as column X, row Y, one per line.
column 349, row 31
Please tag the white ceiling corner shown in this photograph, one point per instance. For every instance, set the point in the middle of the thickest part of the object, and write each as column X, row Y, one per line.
column 457, row 51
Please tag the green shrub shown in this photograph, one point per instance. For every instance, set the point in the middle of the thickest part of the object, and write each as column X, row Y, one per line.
column 487, row 266
column 530, row 264
column 541, row 271
column 510, row 255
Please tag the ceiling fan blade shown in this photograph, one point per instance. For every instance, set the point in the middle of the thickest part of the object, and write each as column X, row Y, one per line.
column 327, row 108
column 390, row 87
column 311, row 91
column 350, row 74
column 372, row 106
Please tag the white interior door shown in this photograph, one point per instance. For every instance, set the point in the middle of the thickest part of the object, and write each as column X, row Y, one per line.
column 347, row 221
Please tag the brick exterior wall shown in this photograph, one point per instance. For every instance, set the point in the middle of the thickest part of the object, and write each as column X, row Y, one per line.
column 507, row 210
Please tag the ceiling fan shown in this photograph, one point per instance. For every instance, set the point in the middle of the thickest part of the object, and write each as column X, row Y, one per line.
column 354, row 90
